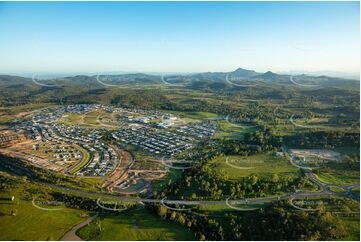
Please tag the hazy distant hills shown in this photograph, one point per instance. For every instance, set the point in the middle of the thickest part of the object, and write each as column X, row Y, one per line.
column 144, row 89
column 217, row 81
column 249, row 78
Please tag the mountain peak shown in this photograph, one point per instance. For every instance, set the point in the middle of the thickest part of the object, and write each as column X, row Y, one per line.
column 269, row 75
column 244, row 72
column 242, row 69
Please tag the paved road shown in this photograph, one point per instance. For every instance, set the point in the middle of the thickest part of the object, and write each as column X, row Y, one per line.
column 262, row 200
column 71, row 235
column 325, row 188
column 324, row 191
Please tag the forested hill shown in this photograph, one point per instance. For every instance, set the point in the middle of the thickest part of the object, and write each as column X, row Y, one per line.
column 112, row 89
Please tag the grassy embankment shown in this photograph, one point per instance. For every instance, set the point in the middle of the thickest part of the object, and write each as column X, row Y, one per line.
column 134, row 225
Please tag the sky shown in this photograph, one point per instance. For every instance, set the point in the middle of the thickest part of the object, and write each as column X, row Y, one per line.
column 44, row 37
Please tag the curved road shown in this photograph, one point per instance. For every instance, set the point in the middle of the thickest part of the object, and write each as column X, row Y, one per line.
column 71, row 235
column 323, row 192
column 324, row 187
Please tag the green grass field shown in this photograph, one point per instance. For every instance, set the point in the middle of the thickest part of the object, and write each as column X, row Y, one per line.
column 337, row 190
column 339, row 173
column 71, row 119
column 91, row 118
column 31, row 223
column 88, row 120
column 86, row 159
column 233, row 131
column 338, row 178
column 134, row 225
column 93, row 181
column 262, row 165
column 193, row 115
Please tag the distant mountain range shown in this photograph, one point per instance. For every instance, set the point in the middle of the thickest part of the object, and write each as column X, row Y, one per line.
column 247, row 78
column 155, row 91
column 240, row 78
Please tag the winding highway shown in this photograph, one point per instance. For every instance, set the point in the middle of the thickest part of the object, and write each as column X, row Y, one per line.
column 262, row 200
column 324, row 191
column 324, row 187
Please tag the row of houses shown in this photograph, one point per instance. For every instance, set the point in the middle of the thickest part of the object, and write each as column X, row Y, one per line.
column 164, row 142
column 6, row 139
column 103, row 158
column 156, row 132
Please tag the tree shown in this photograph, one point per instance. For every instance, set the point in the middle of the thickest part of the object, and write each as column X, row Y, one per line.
column 181, row 219
column 253, row 179
column 173, row 215
column 189, row 224
column 162, row 211
column 275, row 178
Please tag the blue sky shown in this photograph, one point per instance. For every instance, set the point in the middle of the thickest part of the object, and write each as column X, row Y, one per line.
column 178, row 36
